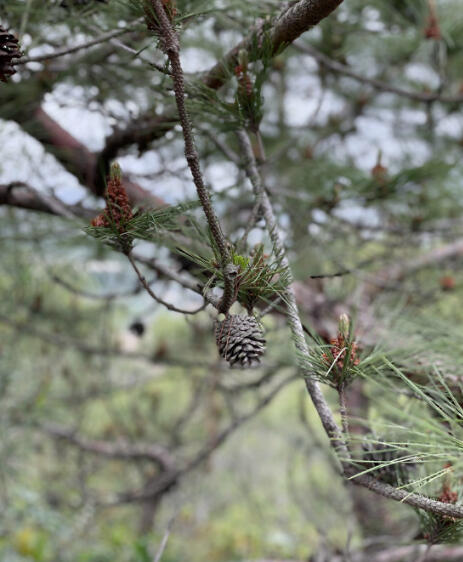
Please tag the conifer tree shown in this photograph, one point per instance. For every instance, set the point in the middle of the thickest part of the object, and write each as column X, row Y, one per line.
column 290, row 172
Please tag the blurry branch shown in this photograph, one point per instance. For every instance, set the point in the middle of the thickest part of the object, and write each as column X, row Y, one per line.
column 89, row 295
column 187, row 282
column 251, row 385
column 272, row 560
column 86, row 348
column 430, row 258
column 118, row 450
column 303, row 359
column 339, row 68
column 72, row 49
column 153, row 295
column 192, row 406
column 224, row 434
column 166, row 481
column 391, row 275
column 25, row 197
column 222, row 146
column 87, row 166
column 140, row 131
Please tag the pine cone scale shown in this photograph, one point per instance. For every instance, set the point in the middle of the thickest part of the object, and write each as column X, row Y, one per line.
column 9, row 50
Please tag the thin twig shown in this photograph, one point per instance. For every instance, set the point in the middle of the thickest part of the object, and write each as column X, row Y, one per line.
column 154, row 296
column 89, row 295
column 343, row 412
column 251, row 223
column 222, row 146
column 165, row 538
column 186, row 282
column 68, row 50
column 424, row 557
column 297, row 331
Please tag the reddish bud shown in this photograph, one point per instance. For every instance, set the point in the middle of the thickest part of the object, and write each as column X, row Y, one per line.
column 432, row 29
column 118, row 211
column 447, row 283
column 379, row 172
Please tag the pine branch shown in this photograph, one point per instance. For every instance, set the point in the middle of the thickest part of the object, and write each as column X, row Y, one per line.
column 303, row 360
column 291, row 22
column 117, row 449
column 171, row 47
column 85, row 45
column 297, row 330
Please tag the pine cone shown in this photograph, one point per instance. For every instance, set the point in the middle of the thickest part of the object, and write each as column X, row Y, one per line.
column 9, row 50
column 240, row 340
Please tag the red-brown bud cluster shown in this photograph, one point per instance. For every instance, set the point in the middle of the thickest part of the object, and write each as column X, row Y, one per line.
column 448, row 495
column 118, row 210
column 379, row 172
column 245, row 87
column 341, row 351
column 447, row 283
column 432, row 30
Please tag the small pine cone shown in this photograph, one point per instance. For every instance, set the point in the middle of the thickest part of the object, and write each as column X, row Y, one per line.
column 9, row 50
column 240, row 340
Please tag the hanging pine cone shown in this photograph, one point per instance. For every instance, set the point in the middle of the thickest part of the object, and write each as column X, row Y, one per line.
column 240, row 340
column 9, row 50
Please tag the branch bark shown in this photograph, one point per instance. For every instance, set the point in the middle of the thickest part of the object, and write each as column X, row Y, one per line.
column 117, row 449
column 25, row 197
column 291, row 22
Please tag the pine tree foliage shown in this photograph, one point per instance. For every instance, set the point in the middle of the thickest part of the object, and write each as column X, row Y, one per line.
column 356, row 132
